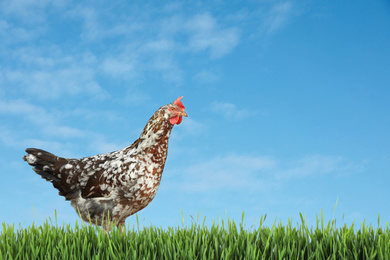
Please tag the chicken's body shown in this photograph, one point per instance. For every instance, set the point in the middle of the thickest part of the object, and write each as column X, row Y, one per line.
column 113, row 185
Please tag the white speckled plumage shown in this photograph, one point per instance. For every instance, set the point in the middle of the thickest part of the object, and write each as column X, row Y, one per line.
column 117, row 184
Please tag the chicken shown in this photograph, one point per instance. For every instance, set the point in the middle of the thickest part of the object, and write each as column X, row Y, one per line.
column 110, row 187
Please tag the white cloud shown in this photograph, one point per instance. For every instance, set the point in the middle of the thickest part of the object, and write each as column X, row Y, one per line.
column 11, row 34
column 205, row 34
column 98, row 144
column 30, row 11
column 135, row 96
column 317, row 165
column 38, row 116
column 168, row 67
column 116, row 67
column 62, row 82
column 51, row 74
column 278, row 16
column 101, row 22
column 31, row 112
column 190, row 127
column 254, row 173
column 232, row 172
column 231, row 111
column 64, row 131
column 46, row 130
column 93, row 114
column 145, row 44
column 16, row 140
column 160, row 45
column 207, row 76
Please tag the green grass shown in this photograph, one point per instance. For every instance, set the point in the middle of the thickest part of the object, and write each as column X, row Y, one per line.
column 222, row 240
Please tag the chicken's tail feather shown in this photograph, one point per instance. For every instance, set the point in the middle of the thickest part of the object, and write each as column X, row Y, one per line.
column 51, row 168
column 43, row 163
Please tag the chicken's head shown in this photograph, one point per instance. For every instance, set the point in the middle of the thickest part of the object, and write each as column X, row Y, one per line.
column 175, row 111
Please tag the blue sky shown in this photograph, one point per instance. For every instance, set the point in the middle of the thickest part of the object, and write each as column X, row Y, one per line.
column 288, row 103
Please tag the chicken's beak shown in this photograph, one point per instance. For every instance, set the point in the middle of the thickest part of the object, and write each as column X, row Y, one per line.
column 182, row 113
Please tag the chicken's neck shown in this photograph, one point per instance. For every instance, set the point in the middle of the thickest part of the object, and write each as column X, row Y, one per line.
column 155, row 133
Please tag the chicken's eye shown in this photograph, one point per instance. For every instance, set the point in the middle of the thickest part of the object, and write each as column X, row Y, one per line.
column 172, row 108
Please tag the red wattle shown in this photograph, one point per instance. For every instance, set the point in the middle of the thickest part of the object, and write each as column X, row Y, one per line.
column 175, row 120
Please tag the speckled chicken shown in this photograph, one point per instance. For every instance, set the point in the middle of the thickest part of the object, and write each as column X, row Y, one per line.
column 113, row 185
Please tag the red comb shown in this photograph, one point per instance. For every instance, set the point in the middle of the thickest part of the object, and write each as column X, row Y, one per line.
column 179, row 104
